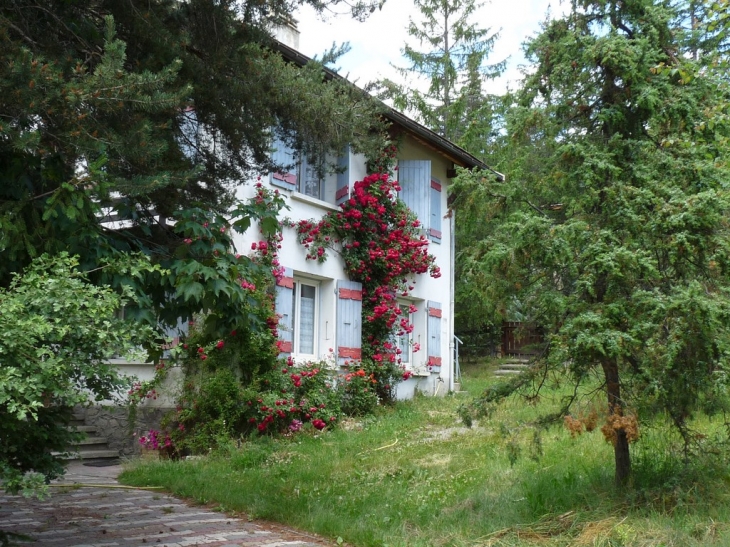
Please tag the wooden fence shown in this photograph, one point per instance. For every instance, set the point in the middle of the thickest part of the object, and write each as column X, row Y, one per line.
column 521, row 339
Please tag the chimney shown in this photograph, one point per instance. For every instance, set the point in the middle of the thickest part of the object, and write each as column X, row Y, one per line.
column 285, row 31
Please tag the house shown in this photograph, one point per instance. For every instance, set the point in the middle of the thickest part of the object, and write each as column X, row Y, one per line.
column 320, row 308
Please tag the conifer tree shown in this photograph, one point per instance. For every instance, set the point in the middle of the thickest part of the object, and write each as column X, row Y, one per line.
column 612, row 229
column 453, row 62
column 115, row 116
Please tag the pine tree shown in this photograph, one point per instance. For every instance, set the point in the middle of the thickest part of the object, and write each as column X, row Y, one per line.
column 454, row 63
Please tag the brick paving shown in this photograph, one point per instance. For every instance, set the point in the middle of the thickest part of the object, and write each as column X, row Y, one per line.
column 103, row 517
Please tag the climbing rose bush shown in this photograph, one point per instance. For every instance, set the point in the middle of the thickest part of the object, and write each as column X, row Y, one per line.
column 292, row 397
column 383, row 247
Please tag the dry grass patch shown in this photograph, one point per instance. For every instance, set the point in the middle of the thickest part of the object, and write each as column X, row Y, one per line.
column 434, row 460
column 595, row 532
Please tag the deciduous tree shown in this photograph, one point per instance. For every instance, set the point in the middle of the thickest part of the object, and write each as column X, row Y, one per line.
column 57, row 333
column 136, row 112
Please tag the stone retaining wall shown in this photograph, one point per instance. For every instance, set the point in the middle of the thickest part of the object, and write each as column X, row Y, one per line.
column 113, row 423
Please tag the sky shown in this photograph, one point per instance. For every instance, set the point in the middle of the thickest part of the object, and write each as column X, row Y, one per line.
column 377, row 42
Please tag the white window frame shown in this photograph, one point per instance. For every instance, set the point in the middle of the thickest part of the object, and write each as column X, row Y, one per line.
column 296, row 320
column 302, row 169
column 408, row 336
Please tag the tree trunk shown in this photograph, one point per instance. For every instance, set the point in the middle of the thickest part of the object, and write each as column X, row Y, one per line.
column 622, row 456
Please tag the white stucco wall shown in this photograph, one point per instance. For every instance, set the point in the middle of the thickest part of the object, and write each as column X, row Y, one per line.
column 293, row 255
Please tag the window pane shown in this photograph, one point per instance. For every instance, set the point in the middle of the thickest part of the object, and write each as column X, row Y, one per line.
column 404, row 340
column 311, row 184
column 306, row 319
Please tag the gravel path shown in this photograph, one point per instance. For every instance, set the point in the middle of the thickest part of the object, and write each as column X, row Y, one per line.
column 102, row 516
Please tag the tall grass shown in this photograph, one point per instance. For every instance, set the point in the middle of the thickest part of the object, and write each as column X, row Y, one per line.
column 413, row 475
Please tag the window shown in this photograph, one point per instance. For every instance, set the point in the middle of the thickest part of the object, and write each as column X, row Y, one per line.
column 404, row 339
column 309, row 178
column 304, row 324
column 297, row 305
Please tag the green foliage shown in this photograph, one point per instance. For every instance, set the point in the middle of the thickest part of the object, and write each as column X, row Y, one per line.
column 205, row 272
column 305, row 394
column 57, row 334
column 210, row 412
column 136, row 113
column 215, row 407
column 612, row 232
column 358, row 391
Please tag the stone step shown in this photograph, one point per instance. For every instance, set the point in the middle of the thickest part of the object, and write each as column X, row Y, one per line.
column 93, row 446
column 89, row 429
column 512, row 365
column 91, row 440
column 91, row 454
column 77, row 420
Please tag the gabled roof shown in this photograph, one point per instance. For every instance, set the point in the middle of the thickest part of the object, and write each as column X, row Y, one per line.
column 420, row 132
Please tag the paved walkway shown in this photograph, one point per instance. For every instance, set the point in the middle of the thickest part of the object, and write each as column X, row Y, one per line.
column 103, row 516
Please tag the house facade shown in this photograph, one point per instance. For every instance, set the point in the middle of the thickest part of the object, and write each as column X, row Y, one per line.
column 320, row 309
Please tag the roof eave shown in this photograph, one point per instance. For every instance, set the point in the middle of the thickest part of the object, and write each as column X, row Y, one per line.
column 457, row 154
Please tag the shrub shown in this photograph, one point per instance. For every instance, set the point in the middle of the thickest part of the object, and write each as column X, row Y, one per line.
column 292, row 397
column 358, row 393
column 209, row 411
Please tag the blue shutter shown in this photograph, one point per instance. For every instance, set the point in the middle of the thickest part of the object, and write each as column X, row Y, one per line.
column 414, row 178
column 434, row 228
column 283, row 155
column 343, row 178
column 349, row 321
column 433, row 309
column 285, row 310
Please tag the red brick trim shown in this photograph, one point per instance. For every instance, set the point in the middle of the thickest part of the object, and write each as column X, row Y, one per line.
column 350, row 294
column 349, row 353
column 289, row 178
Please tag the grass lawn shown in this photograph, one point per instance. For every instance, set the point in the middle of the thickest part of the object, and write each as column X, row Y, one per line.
column 413, row 475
